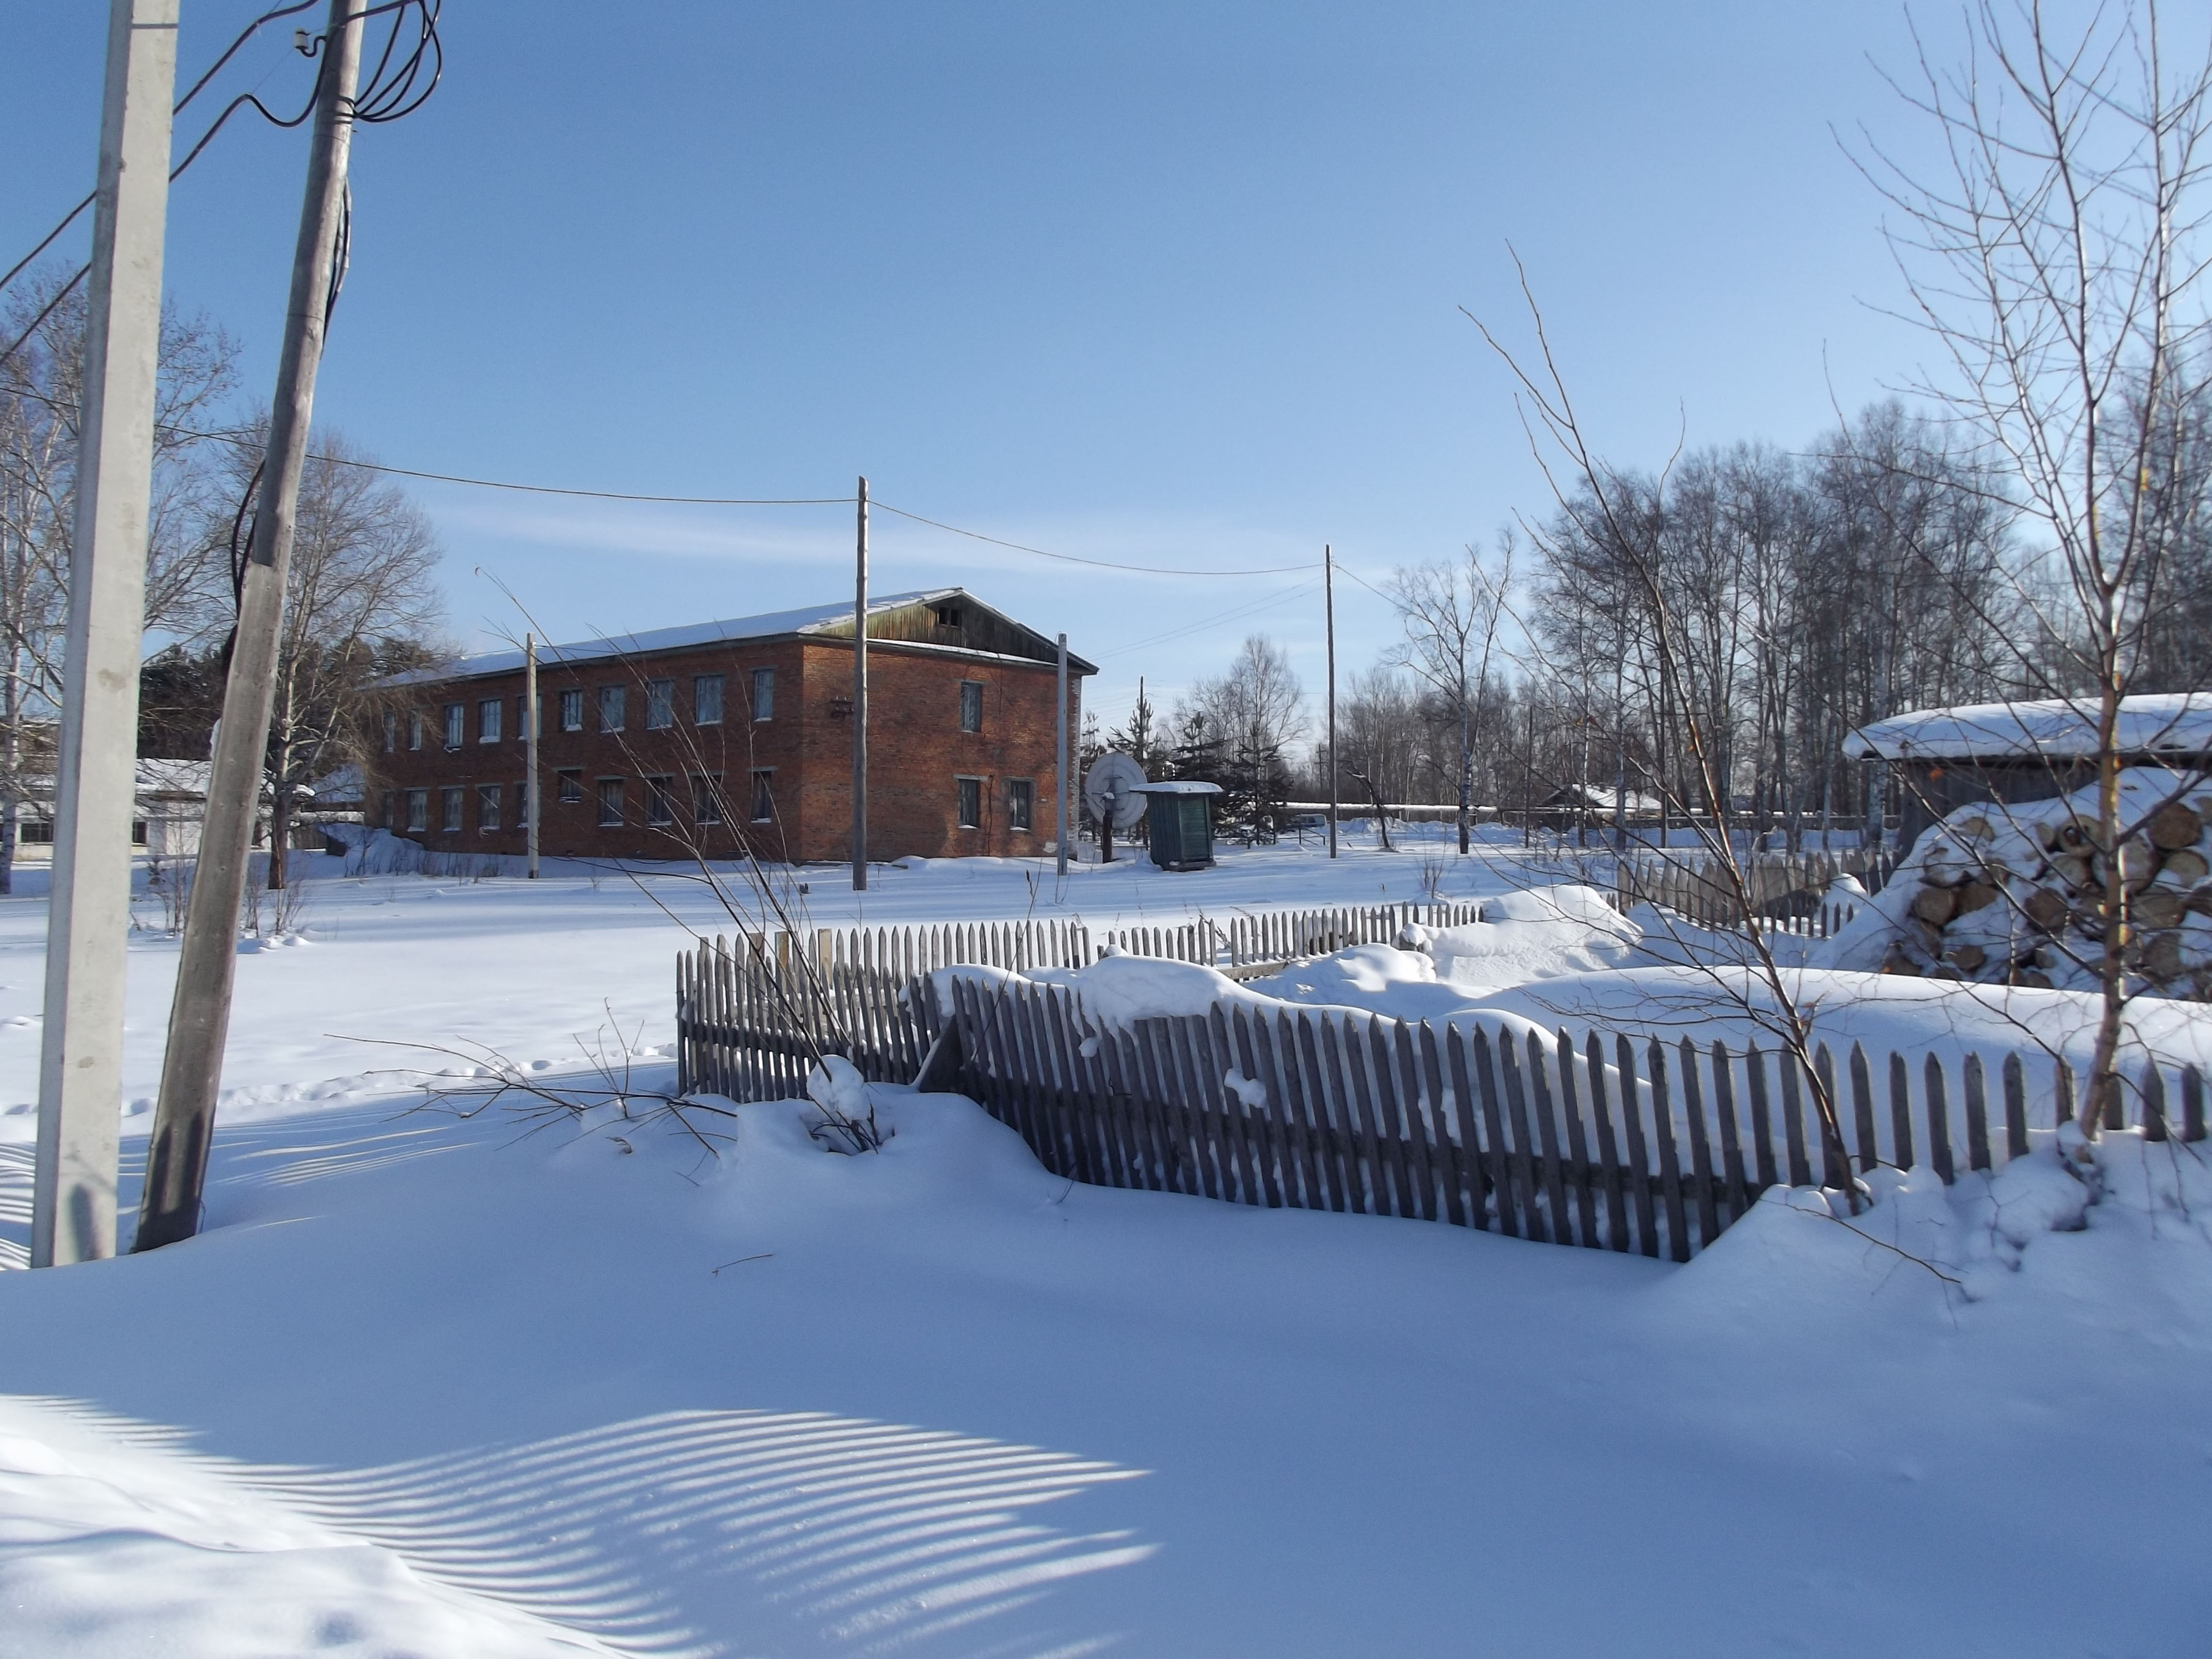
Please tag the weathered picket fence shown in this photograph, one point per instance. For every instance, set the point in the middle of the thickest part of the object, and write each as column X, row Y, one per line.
column 752, row 1013
column 1789, row 894
column 1620, row 1144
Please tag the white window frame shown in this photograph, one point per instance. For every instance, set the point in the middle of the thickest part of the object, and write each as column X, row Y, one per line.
column 490, row 716
column 659, row 705
column 701, row 702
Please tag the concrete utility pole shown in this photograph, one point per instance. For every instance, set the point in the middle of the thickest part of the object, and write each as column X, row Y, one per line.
column 530, row 748
column 860, row 700
column 199, row 1017
column 1060, row 726
column 81, row 1055
column 1328, row 602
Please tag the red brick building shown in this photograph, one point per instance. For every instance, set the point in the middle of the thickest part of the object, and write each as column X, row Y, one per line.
column 720, row 737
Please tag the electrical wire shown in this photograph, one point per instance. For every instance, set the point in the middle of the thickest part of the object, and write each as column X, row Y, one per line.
column 229, row 52
column 1269, row 603
column 389, row 95
column 1101, row 564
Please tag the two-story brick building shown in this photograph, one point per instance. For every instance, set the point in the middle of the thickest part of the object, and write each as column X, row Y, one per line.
column 721, row 737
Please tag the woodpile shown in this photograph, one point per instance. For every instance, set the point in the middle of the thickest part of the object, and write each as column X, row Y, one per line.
column 2023, row 901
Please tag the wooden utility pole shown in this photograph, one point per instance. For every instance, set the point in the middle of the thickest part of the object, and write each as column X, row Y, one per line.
column 860, row 700
column 1060, row 726
column 530, row 748
column 1328, row 602
column 88, row 914
column 199, row 1017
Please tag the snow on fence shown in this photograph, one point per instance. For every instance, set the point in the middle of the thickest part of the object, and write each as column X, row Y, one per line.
column 1616, row 1144
column 1631, row 1144
column 1789, row 893
column 751, row 1015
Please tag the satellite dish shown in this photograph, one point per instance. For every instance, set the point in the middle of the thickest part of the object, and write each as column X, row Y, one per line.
column 1109, row 790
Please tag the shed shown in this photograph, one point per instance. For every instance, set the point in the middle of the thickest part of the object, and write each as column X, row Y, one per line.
column 1947, row 758
column 1180, row 823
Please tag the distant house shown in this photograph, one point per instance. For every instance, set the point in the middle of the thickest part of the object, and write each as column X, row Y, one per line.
column 1573, row 804
column 1947, row 758
column 170, row 801
column 713, row 739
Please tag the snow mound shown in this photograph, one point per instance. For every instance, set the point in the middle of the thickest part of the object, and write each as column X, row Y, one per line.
column 1540, row 933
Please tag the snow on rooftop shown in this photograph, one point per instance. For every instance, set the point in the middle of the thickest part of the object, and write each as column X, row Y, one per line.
column 2055, row 727
column 808, row 619
column 1181, row 786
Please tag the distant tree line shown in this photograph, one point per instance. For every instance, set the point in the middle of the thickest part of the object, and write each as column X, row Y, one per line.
column 1806, row 593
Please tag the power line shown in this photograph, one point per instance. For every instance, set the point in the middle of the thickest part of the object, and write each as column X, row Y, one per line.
column 1254, row 609
column 388, row 97
column 1101, row 564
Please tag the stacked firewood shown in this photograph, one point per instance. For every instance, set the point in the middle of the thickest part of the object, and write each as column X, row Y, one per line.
column 2023, row 901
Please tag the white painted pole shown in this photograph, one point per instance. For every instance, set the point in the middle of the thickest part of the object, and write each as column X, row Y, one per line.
column 81, row 1054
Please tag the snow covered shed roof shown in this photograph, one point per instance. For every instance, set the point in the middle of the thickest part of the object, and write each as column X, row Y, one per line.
column 2177, row 724
column 831, row 620
column 1177, row 786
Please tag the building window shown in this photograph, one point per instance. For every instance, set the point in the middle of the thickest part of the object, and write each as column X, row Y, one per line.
column 455, row 714
column 971, row 803
column 451, row 805
column 660, row 805
column 763, row 694
column 610, row 802
column 1021, row 804
column 386, row 803
column 522, row 805
column 415, row 728
column 706, row 798
column 487, row 719
column 659, row 705
column 568, row 785
column 522, row 716
column 971, row 705
column 611, row 709
column 418, row 809
column 488, row 802
column 764, row 795
column 137, row 832
column 391, row 730
column 948, row 616
column 572, row 711
column 706, row 699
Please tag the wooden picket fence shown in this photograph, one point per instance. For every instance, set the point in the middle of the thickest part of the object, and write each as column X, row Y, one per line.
column 1789, row 894
column 753, row 1013
column 1636, row 1147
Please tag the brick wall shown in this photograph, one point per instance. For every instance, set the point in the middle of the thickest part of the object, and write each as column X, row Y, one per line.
column 917, row 753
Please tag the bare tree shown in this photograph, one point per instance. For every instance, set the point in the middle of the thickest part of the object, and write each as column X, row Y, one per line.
column 1450, row 613
column 1251, row 714
column 39, row 386
column 2056, row 259
column 362, row 601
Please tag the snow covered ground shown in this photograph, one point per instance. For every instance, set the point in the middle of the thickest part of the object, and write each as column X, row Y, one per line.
column 433, row 1386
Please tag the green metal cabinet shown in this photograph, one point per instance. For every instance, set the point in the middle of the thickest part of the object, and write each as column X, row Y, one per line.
column 1179, row 817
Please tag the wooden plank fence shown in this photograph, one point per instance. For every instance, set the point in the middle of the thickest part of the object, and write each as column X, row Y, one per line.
column 1789, row 895
column 1634, row 1146
column 753, row 1014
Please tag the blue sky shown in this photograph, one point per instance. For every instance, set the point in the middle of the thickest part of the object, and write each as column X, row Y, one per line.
column 1167, row 285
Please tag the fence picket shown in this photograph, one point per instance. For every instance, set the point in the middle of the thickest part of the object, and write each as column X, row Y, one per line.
column 1939, row 1121
column 1701, row 1158
column 1670, row 1163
